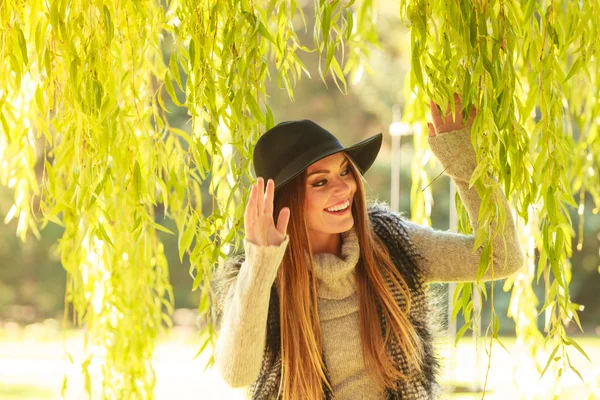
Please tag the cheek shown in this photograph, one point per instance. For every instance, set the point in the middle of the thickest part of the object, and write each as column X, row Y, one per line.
column 313, row 203
column 353, row 185
column 313, row 210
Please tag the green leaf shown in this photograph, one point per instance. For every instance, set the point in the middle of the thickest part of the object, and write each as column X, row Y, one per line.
column 466, row 295
column 529, row 8
column 175, row 70
column 54, row 18
column 496, row 326
column 460, row 333
column 108, row 25
column 326, row 22
column 541, row 266
column 457, row 292
column 455, row 309
column 416, row 66
column 22, row 45
column 264, row 32
column 63, row 390
column 330, row 55
column 161, row 228
column 576, row 372
column 479, row 170
column 182, row 134
column 349, row 24
column 551, row 204
column 185, row 239
column 269, row 122
column 137, row 181
column 171, row 89
column 51, row 175
column 137, row 220
column 104, row 235
column 572, row 342
column 466, row 84
column 197, row 282
column 576, row 317
column 502, row 344
column 164, row 192
column 335, row 67
column 204, row 301
column 557, row 272
column 254, row 110
column 575, row 67
column 481, row 236
column 484, row 261
column 549, row 360
column 161, row 103
column 192, row 52
column 203, row 346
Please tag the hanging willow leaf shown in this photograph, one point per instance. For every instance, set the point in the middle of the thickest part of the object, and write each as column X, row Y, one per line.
column 22, row 46
column 479, row 170
column 550, row 358
column 185, row 239
column 174, row 69
column 108, row 25
column 170, row 88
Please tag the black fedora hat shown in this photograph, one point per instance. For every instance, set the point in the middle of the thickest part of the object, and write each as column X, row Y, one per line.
column 287, row 149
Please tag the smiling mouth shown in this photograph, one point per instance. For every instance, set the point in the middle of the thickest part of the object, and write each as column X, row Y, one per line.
column 342, row 208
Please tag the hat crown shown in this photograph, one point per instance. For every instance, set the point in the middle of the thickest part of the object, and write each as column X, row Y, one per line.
column 287, row 141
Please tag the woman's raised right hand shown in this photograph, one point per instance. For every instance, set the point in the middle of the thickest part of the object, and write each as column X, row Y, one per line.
column 258, row 218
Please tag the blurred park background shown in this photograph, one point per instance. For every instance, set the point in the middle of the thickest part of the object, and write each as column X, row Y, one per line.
column 36, row 344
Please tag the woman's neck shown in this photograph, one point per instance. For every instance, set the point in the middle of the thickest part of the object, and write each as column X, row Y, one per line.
column 326, row 243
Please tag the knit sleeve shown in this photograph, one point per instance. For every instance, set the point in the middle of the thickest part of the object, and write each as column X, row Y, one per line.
column 242, row 328
column 449, row 256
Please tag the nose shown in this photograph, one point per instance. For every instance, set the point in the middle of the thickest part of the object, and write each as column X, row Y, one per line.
column 342, row 188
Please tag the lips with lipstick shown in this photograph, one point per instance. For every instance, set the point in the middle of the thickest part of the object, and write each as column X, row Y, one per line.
column 339, row 208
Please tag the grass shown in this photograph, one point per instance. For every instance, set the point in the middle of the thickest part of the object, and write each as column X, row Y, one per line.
column 34, row 369
column 24, row 392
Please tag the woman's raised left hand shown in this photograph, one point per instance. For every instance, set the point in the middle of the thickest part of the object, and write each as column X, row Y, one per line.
column 445, row 123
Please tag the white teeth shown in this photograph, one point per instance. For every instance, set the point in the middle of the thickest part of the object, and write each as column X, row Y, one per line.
column 343, row 206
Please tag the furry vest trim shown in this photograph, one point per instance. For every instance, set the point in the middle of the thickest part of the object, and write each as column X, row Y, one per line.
column 420, row 385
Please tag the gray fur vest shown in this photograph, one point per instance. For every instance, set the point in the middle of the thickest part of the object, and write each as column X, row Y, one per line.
column 420, row 385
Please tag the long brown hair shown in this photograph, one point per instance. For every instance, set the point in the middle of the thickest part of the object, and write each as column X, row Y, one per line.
column 303, row 369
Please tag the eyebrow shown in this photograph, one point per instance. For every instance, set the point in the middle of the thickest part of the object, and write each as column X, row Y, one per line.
column 326, row 171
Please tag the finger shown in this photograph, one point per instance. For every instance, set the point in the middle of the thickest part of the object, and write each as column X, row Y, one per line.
column 457, row 109
column 457, row 99
column 283, row 220
column 269, row 197
column 457, row 117
column 435, row 114
column 260, row 196
column 250, row 207
column 472, row 116
column 430, row 129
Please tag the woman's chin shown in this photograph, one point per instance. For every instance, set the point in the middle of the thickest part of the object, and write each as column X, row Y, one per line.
column 340, row 224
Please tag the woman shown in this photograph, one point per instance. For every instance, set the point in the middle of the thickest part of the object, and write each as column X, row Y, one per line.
column 331, row 300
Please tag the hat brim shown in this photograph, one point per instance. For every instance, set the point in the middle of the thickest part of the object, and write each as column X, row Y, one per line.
column 362, row 153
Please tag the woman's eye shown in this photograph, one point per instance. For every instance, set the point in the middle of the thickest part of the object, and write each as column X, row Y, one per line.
column 324, row 181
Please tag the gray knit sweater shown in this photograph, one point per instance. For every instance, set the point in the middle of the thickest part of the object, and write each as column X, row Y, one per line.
column 444, row 257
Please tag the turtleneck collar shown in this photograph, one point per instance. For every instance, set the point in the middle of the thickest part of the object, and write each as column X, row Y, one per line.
column 335, row 276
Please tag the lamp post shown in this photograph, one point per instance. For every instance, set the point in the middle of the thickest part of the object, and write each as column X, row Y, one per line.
column 452, row 328
column 397, row 130
column 451, row 287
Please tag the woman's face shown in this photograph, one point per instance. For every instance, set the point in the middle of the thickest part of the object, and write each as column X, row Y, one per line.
column 330, row 188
